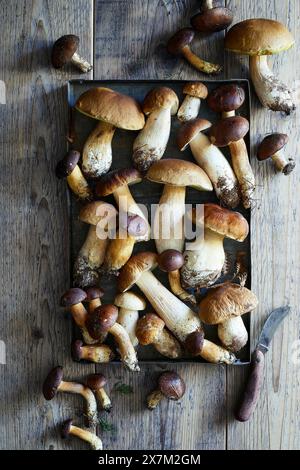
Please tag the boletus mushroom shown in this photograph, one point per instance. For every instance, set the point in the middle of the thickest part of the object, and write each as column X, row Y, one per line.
column 93, row 297
column 170, row 386
column 97, row 382
column 211, row 19
column 179, row 44
column 150, row 144
column 98, row 353
column 65, row 50
column 271, row 146
column 258, row 38
column 130, row 304
column 68, row 168
column 112, row 110
column 194, row 92
column 197, row 345
column 68, row 429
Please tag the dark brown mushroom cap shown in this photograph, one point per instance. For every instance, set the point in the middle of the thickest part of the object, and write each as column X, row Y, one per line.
column 73, row 296
column 189, row 130
column 170, row 260
column 228, row 130
column 149, row 328
column 101, row 320
column 171, row 385
column 66, row 428
column 52, row 382
column 194, row 342
column 226, row 98
column 116, row 179
column 96, row 381
column 66, row 166
column 182, row 38
column 93, row 293
column 63, row 50
column 212, row 20
column 76, row 351
column 270, row 145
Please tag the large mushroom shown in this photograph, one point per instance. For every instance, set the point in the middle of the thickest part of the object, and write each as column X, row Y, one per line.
column 68, row 168
column 197, row 345
column 112, row 110
column 258, row 38
column 98, row 353
column 194, row 92
column 170, row 385
column 211, row 19
column 178, row 317
column 65, row 50
column 150, row 144
column 68, row 429
column 210, row 159
column 271, row 147
column 130, row 304
column 204, row 258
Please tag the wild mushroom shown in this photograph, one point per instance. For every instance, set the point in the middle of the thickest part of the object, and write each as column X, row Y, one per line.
column 197, row 345
column 104, row 320
column 151, row 329
column 150, row 144
column 170, row 386
column 210, row 159
column 230, row 131
column 223, row 306
column 68, row 429
column 96, row 382
column 113, row 110
column 99, row 353
column 204, row 258
column 179, row 44
column 65, row 50
column 178, row 317
column 54, row 383
column 271, row 146
column 211, row 19
column 68, row 168
column 258, row 38
column 194, row 92
column 129, row 304
column 93, row 297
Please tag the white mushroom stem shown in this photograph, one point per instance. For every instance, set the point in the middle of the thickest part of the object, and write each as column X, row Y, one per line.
column 211, row 352
column 233, row 334
column 128, row 319
column 206, row 5
column 177, row 289
column 87, row 436
column 103, row 399
column 271, row 91
column 282, row 164
column 97, row 152
column 167, row 345
column 87, row 394
column 215, row 165
column 125, row 347
column 81, row 63
column 189, row 108
column 78, row 184
column 178, row 317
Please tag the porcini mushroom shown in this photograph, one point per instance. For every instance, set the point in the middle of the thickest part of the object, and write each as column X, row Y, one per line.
column 104, row 320
column 93, row 297
column 151, row 329
column 204, row 259
column 68, row 168
column 68, row 429
column 223, row 306
column 179, row 44
column 113, row 110
column 170, row 386
column 271, row 146
column 211, row 19
column 178, row 317
column 194, row 92
column 258, row 38
column 99, row 353
column 54, row 383
column 210, row 159
column 150, row 144
column 96, row 382
column 197, row 345
column 129, row 304
column 65, row 50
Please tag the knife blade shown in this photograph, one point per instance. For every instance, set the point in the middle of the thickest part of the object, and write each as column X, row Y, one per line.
column 255, row 379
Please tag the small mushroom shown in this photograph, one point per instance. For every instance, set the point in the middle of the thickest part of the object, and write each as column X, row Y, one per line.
column 211, row 19
column 271, row 146
column 104, row 320
column 68, row 168
column 151, row 329
column 179, row 44
column 194, row 92
column 197, row 345
column 54, row 383
column 65, row 50
column 96, row 382
column 93, row 297
column 170, row 386
column 98, row 353
column 150, row 144
column 68, row 429
column 129, row 305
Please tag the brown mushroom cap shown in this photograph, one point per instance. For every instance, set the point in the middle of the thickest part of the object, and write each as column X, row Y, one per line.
column 226, row 98
column 52, row 382
column 76, row 351
column 130, row 301
column 63, row 50
column 116, row 179
column 196, row 89
column 66, row 428
column 73, row 296
column 161, row 97
column 171, row 385
column 134, row 268
column 101, row 320
column 270, row 145
column 194, row 342
column 96, row 381
column 228, row 130
column 112, row 107
column 226, row 301
column 258, row 36
column 93, row 293
column 176, row 172
column 189, row 130
column 66, row 166
column 148, row 328
column 212, row 20
column 179, row 40
column 170, row 260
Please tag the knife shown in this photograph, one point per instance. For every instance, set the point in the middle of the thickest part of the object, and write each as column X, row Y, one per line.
column 253, row 386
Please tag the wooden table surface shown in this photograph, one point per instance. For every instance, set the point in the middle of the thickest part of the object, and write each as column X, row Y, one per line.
column 126, row 39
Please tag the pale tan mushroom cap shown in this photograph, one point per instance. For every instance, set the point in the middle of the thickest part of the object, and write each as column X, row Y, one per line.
column 130, row 300
column 196, row 89
column 134, row 268
column 226, row 301
column 95, row 211
column 161, row 97
column 258, row 36
column 148, row 328
column 189, row 130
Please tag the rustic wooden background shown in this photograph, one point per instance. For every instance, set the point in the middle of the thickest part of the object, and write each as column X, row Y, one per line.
column 126, row 39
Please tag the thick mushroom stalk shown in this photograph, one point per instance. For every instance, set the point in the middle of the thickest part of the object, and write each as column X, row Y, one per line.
column 170, row 386
column 68, row 429
column 197, row 345
column 68, row 168
column 97, row 382
column 97, row 151
column 233, row 333
column 190, row 106
column 100, row 353
column 129, row 305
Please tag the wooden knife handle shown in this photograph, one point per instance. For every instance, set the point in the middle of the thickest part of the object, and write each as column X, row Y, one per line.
column 253, row 386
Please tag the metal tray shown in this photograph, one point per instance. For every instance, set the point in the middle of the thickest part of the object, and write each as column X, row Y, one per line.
column 149, row 193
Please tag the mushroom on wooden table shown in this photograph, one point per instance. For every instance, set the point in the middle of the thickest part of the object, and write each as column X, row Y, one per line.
column 68, row 168
column 69, row 429
column 97, row 382
column 130, row 304
column 271, row 147
column 64, row 51
column 170, row 385
column 194, row 92
column 98, row 353
column 211, row 19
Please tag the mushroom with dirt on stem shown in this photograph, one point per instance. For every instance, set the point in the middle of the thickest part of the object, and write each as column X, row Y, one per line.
column 129, row 304
column 258, row 38
column 64, row 51
column 68, row 168
column 170, row 385
column 194, row 92
column 197, row 345
column 112, row 110
column 97, row 353
column 211, row 19
column 97, row 382
column 271, row 146
column 68, row 429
